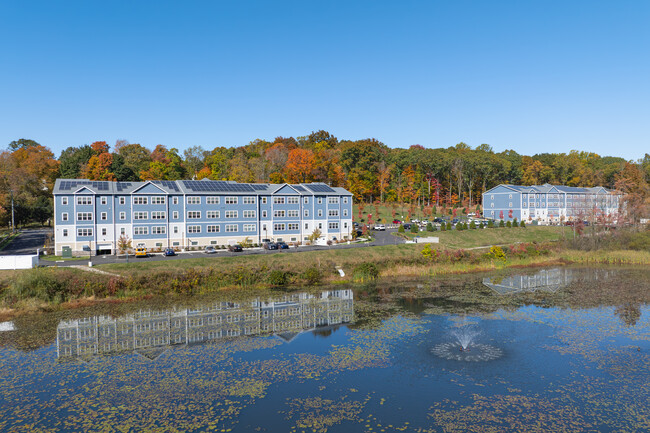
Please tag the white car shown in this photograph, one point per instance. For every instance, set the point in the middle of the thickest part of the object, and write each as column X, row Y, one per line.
column 380, row 227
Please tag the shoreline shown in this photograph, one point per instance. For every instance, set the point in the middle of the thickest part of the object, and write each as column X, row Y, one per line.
column 59, row 289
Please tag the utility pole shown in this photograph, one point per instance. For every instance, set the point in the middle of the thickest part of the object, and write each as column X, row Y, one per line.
column 13, row 225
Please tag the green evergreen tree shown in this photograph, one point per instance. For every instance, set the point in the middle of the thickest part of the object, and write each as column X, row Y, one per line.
column 400, row 229
column 502, row 223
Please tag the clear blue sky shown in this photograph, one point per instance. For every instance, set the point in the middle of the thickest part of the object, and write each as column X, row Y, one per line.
column 533, row 76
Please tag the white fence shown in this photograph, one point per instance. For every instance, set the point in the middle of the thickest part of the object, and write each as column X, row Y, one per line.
column 18, row 262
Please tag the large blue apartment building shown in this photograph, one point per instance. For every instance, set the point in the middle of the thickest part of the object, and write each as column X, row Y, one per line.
column 93, row 215
column 550, row 203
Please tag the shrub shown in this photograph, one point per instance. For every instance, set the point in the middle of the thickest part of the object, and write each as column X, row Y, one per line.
column 472, row 225
column 509, row 224
column 515, row 223
column 365, row 272
column 490, row 224
column 522, row 224
column 459, row 226
column 497, row 253
column 448, row 226
column 430, row 227
column 502, row 224
column 312, row 275
column 443, row 227
column 401, row 228
column 278, row 277
column 414, row 228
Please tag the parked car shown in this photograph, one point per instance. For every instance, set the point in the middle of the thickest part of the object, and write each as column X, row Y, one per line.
column 397, row 222
column 380, row 227
column 236, row 248
column 282, row 246
column 407, row 226
column 169, row 252
column 438, row 220
column 210, row 250
column 270, row 245
column 141, row 252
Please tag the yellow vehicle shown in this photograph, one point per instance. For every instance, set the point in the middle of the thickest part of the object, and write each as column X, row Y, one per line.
column 141, row 252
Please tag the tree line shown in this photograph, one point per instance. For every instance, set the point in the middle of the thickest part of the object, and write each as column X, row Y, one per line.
column 445, row 177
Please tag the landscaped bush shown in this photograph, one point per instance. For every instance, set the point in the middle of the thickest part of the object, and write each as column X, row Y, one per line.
column 509, row 224
column 502, row 224
column 400, row 228
column 522, row 224
column 472, row 225
column 515, row 223
column 430, row 227
column 414, row 228
column 490, row 224
column 497, row 253
column 448, row 226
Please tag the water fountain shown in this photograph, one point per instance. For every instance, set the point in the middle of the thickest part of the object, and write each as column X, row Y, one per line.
column 464, row 348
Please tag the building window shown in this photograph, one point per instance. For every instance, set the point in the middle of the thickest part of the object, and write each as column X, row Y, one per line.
column 122, row 215
column 263, row 214
column 103, row 200
column 320, row 212
column 175, row 229
column 320, row 200
column 104, row 216
column 158, row 200
column 292, row 200
column 333, row 212
column 122, row 200
column 278, row 200
column 213, row 229
column 140, row 200
column 212, row 214
column 320, row 226
column 140, row 231
column 306, row 226
column 194, row 229
column 231, row 228
column 84, row 200
column 212, row 200
column 306, row 213
column 64, row 216
column 263, row 200
column 249, row 200
column 65, row 232
column 279, row 214
column 333, row 226
column 84, row 216
column 249, row 214
column 333, row 200
column 345, row 225
column 492, row 197
column 345, row 212
column 510, row 204
column 491, row 204
column 140, row 215
column 278, row 227
column 122, row 231
column 292, row 213
column 175, row 214
column 175, row 200
column 158, row 230
column 193, row 214
column 64, row 200
column 345, row 200
column 231, row 200
column 249, row 227
column 84, row 232
column 158, row 215
column 193, row 199
column 231, row 214
column 103, row 232
column 292, row 226
column 305, row 200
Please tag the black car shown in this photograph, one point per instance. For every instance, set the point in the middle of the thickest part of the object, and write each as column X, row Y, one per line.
column 270, row 246
column 235, row 248
column 169, row 252
column 407, row 226
column 438, row 220
column 282, row 246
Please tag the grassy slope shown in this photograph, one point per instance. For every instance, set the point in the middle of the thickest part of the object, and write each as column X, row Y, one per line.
column 497, row 236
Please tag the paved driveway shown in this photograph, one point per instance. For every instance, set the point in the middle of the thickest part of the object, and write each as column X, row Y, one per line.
column 381, row 238
column 27, row 242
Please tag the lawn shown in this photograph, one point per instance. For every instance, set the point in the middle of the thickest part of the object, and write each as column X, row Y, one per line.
column 496, row 236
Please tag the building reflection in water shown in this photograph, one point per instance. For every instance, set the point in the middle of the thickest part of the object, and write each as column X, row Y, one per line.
column 151, row 332
column 550, row 280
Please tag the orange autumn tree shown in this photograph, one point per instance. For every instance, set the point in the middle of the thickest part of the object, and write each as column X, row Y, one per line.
column 300, row 166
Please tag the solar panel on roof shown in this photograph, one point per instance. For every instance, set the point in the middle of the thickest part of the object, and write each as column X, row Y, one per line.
column 299, row 188
column 315, row 187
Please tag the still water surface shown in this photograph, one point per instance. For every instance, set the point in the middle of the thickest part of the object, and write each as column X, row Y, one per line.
column 552, row 350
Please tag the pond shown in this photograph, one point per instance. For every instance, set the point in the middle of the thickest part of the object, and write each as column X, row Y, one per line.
column 562, row 349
